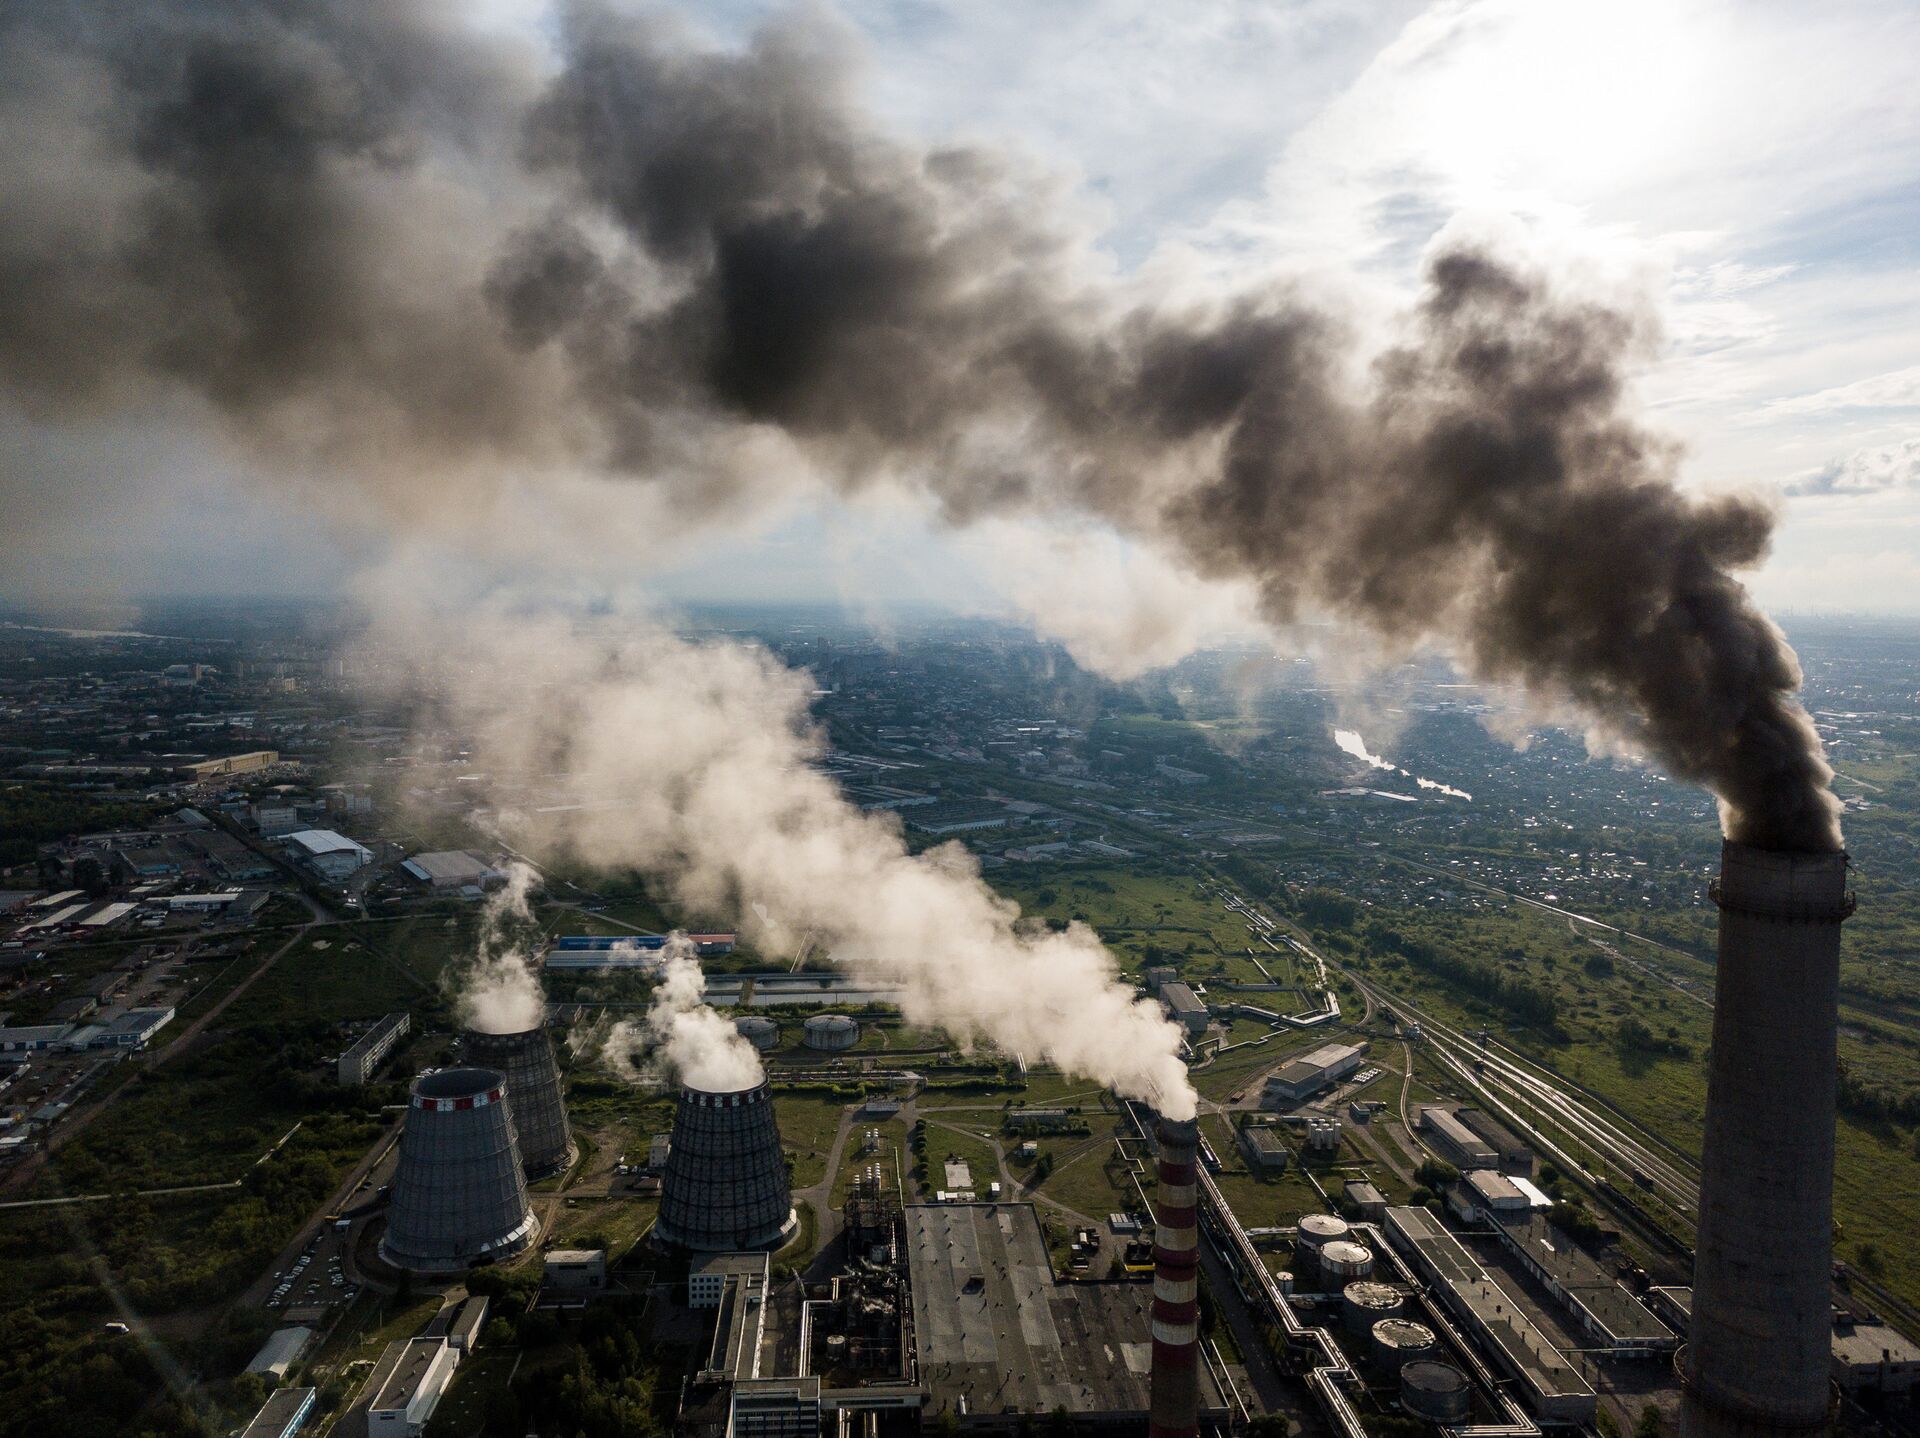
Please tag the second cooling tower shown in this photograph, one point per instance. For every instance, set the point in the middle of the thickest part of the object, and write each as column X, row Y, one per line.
column 459, row 1196
column 726, row 1187
column 533, row 1090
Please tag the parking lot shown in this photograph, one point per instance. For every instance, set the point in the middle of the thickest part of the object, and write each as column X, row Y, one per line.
column 316, row 1279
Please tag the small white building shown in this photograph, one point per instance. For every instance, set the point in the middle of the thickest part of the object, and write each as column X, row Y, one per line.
column 580, row 1270
column 416, row 1380
column 280, row 1352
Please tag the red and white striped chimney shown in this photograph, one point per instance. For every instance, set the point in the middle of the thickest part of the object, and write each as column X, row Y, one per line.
column 1173, row 1406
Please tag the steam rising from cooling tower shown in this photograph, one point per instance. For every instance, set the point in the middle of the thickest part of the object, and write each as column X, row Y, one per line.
column 496, row 990
column 681, row 1037
column 377, row 244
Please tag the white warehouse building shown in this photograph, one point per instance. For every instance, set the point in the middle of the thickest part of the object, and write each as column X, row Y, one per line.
column 330, row 855
column 1305, row 1076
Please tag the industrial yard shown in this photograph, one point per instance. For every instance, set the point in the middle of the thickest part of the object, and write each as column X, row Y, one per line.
column 1518, row 1181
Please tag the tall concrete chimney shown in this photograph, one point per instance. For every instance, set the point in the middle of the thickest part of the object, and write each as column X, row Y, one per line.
column 1173, row 1405
column 1758, row 1354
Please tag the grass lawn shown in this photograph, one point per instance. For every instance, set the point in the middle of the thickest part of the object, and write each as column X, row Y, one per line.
column 951, row 1136
column 807, row 1126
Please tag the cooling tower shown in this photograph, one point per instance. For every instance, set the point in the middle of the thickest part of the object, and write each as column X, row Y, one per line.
column 1173, row 1404
column 459, row 1197
column 533, row 1089
column 725, row 1187
column 1759, row 1349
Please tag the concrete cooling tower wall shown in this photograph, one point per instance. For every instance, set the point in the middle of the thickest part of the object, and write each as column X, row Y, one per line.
column 459, row 1196
column 534, row 1095
column 726, row 1185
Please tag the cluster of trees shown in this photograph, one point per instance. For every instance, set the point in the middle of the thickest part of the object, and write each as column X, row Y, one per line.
column 36, row 814
column 609, row 1386
column 1872, row 1101
column 1632, row 1036
column 1527, row 1000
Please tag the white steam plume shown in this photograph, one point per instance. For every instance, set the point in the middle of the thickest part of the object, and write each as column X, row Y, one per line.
column 681, row 1037
column 689, row 761
column 497, row 991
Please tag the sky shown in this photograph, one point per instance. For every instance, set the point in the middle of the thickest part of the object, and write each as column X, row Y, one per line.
column 1750, row 167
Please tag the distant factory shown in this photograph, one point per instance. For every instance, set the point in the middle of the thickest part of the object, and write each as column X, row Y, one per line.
column 638, row 953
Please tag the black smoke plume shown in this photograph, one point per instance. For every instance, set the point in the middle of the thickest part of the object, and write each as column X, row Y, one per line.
column 376, row 243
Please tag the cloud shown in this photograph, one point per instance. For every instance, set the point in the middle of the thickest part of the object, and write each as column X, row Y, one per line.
column 1897, row 389
column 1865, row 471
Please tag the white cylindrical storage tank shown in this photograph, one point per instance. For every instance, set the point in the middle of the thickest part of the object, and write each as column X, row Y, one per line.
column 1437, row 1392
column 1398, row 1341
column 1317, row 1230
column 1283, row 1280
column 1341, row 1261
column 1364, row 1304
column 757, row 1029
column 831, row 1032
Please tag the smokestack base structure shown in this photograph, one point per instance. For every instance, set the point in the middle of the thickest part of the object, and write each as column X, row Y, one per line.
column 459, row 1196
column 1759, row 1350
column 1173, row 1405
column 725, row 1188
column 533, row 1086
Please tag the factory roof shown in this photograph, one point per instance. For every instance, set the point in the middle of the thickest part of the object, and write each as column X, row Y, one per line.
column 450, row 866
column 278, row 1353
column 1868, row 1344
column 1180, row 998
column 1471, row 1291
column 1469, row 1144
column 1496, row 1189
column 281, row 1414
column 1326, row 1056
column 1624, row 1318
column 326, row 841
column 995, row 1332
column 402, row 1383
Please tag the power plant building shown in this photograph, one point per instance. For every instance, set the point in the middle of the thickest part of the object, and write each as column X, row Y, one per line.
column 996, row 1337
column 1611, row 1317
column 534, row 1100
column 282, row 1415
column 414, row 1383
column 725, row 1188
column 1184, row 1007
column 1551, row 1386
column 1307, row 1075
column 459, row 1193
column 1455, row 1142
